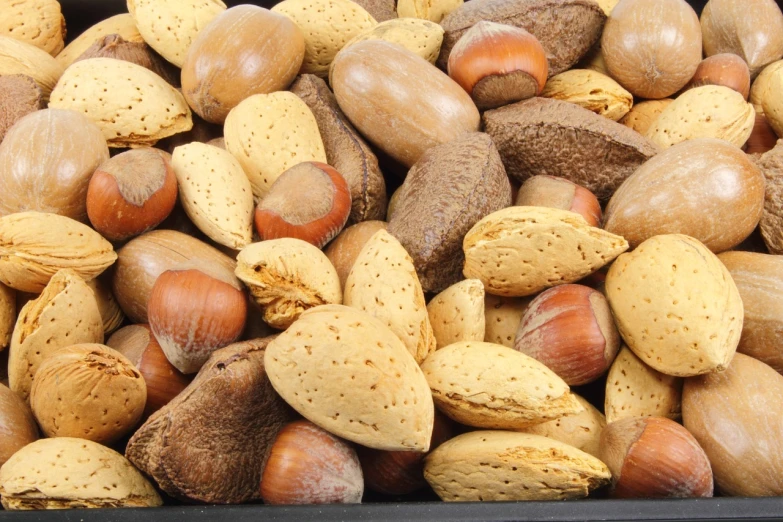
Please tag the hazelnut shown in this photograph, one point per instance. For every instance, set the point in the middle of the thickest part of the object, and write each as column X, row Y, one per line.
column 726, row 69
column 345, row 248
column 308, row 465
column 570, row 329
column 195, row 309
column 762, row 138
column 554, row 192
column 498, row 64
column 310, row 201
column 16, row 424
column 131, row 193
column 654, row 457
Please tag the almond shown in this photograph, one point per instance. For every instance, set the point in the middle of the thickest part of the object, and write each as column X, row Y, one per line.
column 457, row 313
column 644, row 113
column 66, row 472
column 338, row 21
column 432, row 10
column 348, row 373
column 519, row 251
column 592, row 90
column 502, row 465
column 676, row 306
column 133, row 106
column 17, row 57
column 582, row 430
column 286, row 277
column 170, row 26
column 65, row 313
column 422, row 37
column 491, row 386
column 37, row 22
column 270, row 133
column 711, row 111
column 383, row 283
column 34, row 246
column 7, row 315
column 772, row 104
column 502, row 316
column 762, row 85
column 109, row 308
column 347, row 246
column 122, row 25
column 215, row 193
column 633, row 389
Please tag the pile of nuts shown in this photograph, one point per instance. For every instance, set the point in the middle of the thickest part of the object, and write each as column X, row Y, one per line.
column 212, row 289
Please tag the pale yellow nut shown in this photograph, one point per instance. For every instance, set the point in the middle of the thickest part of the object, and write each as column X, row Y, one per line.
column 592, row 90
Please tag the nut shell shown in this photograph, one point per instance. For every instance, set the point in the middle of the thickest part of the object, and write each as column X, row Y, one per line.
column 549, row 191
column 121, row 25
column 502, row 316
column 17, row 57
column 17, row 424
column 725, row 69
column 581, row 430
column 7, row 315
column 457, row 313
column 37, row 22
column 347, row 246
column 592, row 90
column 644, row 113
column 419, row 36
column 21, row 96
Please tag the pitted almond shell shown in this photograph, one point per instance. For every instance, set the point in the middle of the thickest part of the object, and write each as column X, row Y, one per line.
column 457, row 313
column 502, row 316
column 582, row 430
column 17, row 57
column 432, row 10
column 111, row 313
column 422, row 37
column 37, row 22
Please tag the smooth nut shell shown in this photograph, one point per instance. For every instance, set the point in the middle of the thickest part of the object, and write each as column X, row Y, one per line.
column 17, row 424
column 725, row 69
column 7, row 315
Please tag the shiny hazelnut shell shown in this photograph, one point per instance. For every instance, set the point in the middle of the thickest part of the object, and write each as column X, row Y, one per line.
column 726, row 69
column 551, row 191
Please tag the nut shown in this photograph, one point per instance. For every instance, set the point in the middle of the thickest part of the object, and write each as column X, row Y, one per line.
column 338, row 21
column 286, row 277
column 121, row 25
column 76, row 473
column 7, row 315
column 549, row 191
column 34, row 246
column 592, row 90
column 694, row 115
column 519, row 251
column 215, row 76
column 502, row 316
column 88, row 391
column 659, row 197
column 676, row 306
column 215, row 193
column 310, row 201
column 654, row 457
column 335, row 350
column 383, row 283
column 37, row 22
column 421, row 37
column 21, row 96
column 725, row 69
column 644, row 113
column 432, row 10
column 457, row 313
column 347, row 246
column 171, row 27
column 115, row 46
column 164, row 382
column 108, row 307
column 131, row 193
column 652, row 35
column 195, row 309
column 381, row 10
column 502, row 465
column 761, row 87
column 633, row 389
column 491, row 386
column 17, row 57
column 771, row 165
column 308, row 465
column 570, row 329
column 270, row 133
column 582, row 430
column 773, row 106
column 15, row 413
column 498, row 64
column 762, row 138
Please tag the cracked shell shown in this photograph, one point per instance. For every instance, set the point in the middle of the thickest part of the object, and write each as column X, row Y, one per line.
column 345, row 371
column 286, row 277
column 491, row 386
column 502, row 465
column 592, row 90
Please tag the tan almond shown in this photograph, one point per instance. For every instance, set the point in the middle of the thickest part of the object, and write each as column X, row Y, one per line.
column 761, row 89
column 676, row 306
column 502, row 465
column 133, row 106
column 384, row 284
column 336, row 23
column 592, row 90
column 67, row 472
column 644, row 113
column 170, row 26
column 492, row 386
column 457, row 313
column 123, row 25
column 65, row 313
column 34, row 246
column 582, row 430
column 502, row 316
column 215, row 193
column 109, row 308
column 347, row 372
column 7, row 315
column 633, row 389
column 432, row 10
column 17, row 57
column 270, row 133
column 711, row 111
column 347, row 246
column 286, row 277
column 773, row 105
column 37, row 22
column 421, row 37
column 519, row 251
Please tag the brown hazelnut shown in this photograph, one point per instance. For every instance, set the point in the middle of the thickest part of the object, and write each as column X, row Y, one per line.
column 498, row 64
column 308, row 465
column 310, row 201
column 195, row 309
column 345, row 248
column 551, row 191
column 726, row 69
column 17, row 425
column 654, row 457
column 571, row 330
column 763, row 137
column 131, row 193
